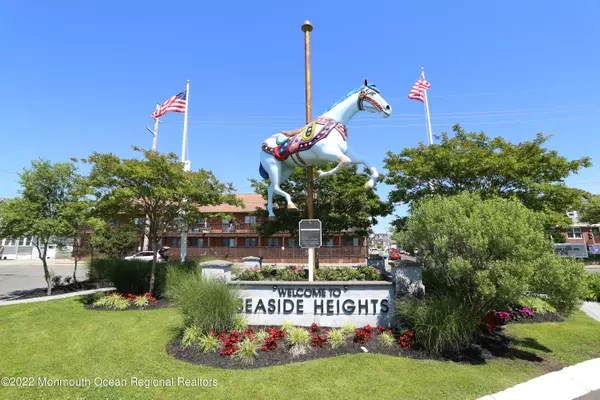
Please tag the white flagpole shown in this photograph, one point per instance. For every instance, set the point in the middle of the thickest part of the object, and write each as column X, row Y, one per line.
column 185, row 122
column 146, row 242
column 429, row 134
column 155, row 133
column 183, row 252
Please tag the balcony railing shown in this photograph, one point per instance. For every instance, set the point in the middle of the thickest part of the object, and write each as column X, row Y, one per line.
column 221, row 228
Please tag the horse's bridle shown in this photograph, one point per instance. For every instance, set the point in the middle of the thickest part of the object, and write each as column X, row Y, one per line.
column 364, row 95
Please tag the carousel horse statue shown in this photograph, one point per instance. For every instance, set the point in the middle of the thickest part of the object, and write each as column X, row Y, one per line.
column 322, row 141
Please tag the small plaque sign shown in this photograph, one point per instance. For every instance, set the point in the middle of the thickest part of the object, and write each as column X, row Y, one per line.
column 310, row 233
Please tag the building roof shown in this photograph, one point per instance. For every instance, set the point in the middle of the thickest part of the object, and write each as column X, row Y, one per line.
column 251, row 201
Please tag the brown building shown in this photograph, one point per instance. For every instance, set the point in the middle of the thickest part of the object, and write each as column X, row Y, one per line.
column 237, row 238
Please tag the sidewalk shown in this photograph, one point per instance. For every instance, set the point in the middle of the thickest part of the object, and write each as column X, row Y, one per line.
column 569, row 383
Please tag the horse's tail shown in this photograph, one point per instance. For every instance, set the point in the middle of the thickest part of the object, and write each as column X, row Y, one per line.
column 263, row 172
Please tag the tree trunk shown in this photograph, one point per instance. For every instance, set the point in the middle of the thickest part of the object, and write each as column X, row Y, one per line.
column 152, row 274
column 46, row 271
column 76, row 245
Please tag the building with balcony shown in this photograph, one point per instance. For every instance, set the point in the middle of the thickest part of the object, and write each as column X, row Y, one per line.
column 238, row 238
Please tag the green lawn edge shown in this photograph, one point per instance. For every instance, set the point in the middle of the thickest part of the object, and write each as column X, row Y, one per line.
column 60, row 339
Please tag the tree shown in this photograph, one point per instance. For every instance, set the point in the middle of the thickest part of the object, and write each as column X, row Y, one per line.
column 488, row 253
column 590, row 212
column 155, row 187
column 114, row 240
column 340, row 203
column 491, row 167
column 51, row 195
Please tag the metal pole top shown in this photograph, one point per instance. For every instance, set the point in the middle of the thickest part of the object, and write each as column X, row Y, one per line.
column 307, row 26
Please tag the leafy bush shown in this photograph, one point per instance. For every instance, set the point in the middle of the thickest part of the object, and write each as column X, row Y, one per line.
column 488, row 253
column 336, row 338
column 247, row 351
column 240, row 323
column 298, row 336
column 287, row 325
column 562, row 280
column 133, row 276
column 260, row 336
column 386, row 339
column 207, row 303
column 440, row 323
column 592, row 291
column 348, row 329
column 209, row 344
column 191, row 335
column 112, row 301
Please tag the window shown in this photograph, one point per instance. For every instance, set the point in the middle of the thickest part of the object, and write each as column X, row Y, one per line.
column 274, row 242
column 201, row 221
column 138, row 221
column 328, row 243
column 250, row 242
column 292, row 242
column 22, row 241
column 176, row 243
column 355, row 242
column 225, row 221
column 574, row 233
column 249, row 219
column 229, row 242
column 196, row 242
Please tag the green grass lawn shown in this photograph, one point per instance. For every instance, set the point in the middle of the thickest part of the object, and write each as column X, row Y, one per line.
column 61, row 340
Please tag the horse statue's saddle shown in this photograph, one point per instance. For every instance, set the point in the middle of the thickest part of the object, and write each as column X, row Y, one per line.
column 303, row 138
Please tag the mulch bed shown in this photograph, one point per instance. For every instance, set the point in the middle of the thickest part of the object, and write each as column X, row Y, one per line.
column 488, row 347
column 159, row 303
column 72, row 288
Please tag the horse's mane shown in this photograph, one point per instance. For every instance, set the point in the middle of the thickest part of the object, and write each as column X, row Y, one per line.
column 351, row 93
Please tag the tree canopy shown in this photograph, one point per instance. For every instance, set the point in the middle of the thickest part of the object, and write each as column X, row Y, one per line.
column 156, row 188
column 340, row 203
column 491, row 167
column 53, row 198
column 590, row 212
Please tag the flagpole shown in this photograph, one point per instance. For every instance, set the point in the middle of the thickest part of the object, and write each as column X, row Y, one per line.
column 146, row 241
column 183, row 246
column 185, row 122
column 429, row 134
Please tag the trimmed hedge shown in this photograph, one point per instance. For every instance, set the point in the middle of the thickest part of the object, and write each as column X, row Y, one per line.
column 133, row 276
column 292, row 273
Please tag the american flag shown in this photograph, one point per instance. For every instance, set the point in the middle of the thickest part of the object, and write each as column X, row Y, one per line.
column 416, row 93
column 177, row 103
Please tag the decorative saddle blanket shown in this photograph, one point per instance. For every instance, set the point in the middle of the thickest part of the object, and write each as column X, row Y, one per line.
column 305, row 139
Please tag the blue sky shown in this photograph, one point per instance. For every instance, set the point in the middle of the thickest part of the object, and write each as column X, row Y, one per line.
column 78, row 77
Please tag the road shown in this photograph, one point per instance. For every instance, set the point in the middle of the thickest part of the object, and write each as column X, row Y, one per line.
column 22, row 275
column 593, row 269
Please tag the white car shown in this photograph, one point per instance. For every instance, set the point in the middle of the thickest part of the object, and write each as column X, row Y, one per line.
column 145, row 256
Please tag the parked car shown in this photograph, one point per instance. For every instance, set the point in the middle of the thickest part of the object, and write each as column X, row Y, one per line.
column 148, row 255
column 394, row 255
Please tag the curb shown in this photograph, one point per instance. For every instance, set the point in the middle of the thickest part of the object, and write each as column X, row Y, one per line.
column 59, row 296
column 569, row 383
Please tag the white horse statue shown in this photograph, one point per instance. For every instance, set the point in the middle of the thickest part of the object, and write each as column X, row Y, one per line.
column 319, row 142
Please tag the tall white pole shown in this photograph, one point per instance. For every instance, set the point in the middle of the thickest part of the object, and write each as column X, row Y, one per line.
column 185, row 122
column 184, row 232
column 155, row 133
column 429, row 134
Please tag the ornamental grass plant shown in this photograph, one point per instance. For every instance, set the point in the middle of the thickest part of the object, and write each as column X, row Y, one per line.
column 209, row 304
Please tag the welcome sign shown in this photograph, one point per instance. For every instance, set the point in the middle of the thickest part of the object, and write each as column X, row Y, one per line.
column 325, row 303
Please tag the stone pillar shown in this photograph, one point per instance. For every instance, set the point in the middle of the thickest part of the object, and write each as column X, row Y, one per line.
column 407, row 277
column 217, row 269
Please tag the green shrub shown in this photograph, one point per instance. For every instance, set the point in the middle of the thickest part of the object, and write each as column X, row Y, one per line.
column 386, row 339
column 247, row 351
column 348, row 329
column 298, row 336
column 292, row 273
column 141, row 301
column 440, row 323
column 335, row 337
column 191, row 335
column 133, row 276
column 208, row 303
column 209, row 344
column 592, row 291
column 287, row 325
column 563, row 280
column 260, row 336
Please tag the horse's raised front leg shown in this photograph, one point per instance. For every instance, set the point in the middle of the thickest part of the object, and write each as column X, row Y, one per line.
column 359, row 160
